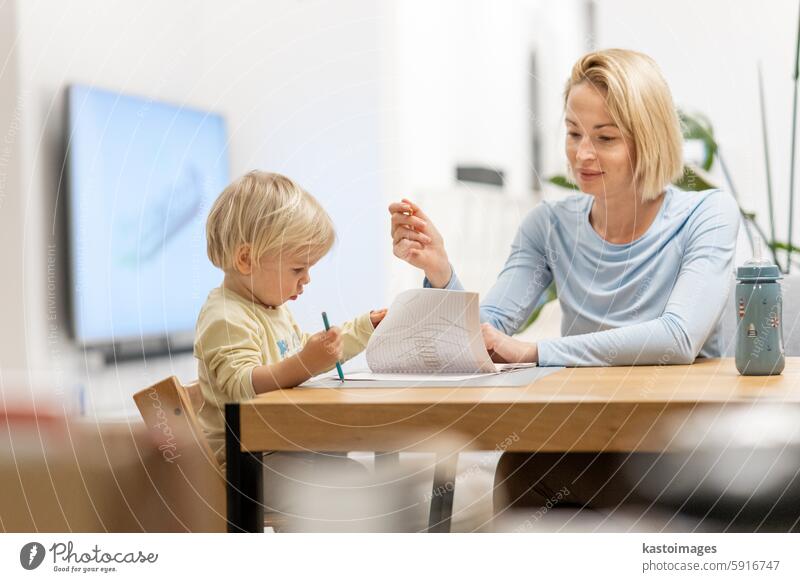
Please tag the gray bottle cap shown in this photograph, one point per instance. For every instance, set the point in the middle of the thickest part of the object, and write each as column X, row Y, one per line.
column 758, row 273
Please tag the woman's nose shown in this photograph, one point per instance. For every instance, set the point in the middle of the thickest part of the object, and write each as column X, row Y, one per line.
column 586, row 151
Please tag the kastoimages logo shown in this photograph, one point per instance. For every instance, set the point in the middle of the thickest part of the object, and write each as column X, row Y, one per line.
column 31, row 555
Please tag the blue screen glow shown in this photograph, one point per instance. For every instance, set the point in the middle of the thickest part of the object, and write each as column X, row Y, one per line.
column 142, row 177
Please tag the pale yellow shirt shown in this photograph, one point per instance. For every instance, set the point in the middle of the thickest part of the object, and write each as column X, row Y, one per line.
column 233, row 336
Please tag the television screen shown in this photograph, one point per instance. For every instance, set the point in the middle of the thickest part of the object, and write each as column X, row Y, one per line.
column 142, row 176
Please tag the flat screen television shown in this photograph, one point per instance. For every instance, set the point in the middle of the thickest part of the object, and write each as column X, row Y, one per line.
column 141, row 177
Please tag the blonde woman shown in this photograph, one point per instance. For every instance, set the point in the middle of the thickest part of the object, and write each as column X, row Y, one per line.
column 642, row 269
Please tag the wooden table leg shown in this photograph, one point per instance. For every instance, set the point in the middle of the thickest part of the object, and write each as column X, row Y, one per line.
column 444, row 487
column 244, row 479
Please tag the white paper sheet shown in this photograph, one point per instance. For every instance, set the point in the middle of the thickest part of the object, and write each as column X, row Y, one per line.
column 407, row 377
column 430, row 331
column 368, row 376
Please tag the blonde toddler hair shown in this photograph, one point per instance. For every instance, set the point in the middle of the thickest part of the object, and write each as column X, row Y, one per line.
column 641, row 105
column 271, row 214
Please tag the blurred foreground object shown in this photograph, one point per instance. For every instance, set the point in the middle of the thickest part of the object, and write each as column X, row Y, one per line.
column 736, row 470
column 412, row 494
column 60, row 475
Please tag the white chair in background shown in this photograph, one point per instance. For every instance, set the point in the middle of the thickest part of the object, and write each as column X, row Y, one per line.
column 791, row 314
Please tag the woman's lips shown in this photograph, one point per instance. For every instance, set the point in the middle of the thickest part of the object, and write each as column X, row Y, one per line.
column 589, row 174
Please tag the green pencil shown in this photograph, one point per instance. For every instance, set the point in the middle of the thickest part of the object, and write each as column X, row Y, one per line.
column 327, row 327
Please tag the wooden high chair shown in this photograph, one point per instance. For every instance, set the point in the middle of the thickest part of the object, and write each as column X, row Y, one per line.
column 169, row 409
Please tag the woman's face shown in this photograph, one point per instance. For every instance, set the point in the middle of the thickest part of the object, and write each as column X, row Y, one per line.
column 601, row 159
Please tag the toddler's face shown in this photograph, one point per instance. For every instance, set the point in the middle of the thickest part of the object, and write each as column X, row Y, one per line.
column 276, row 280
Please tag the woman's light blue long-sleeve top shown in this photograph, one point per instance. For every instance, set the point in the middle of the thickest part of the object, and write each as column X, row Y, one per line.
column 656, row 300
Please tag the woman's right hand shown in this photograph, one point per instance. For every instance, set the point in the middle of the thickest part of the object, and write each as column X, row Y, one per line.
column 416, row 241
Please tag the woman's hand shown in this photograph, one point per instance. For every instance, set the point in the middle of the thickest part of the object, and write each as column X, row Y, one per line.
column 376, row 316
column 505, row 349
column 416, row 241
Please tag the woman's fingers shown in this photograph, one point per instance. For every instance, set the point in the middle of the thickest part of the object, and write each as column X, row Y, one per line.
column 407, row 208
column 404, row 233
column 416, row 210
column 399, row 207
column 414, row 238
column 489, row 335
column 496, row 341
column 407, row 249
column 406, row 245
column 404, row 220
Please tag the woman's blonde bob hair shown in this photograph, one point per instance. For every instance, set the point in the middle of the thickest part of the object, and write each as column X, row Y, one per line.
column 271, row 214
column 641, row 105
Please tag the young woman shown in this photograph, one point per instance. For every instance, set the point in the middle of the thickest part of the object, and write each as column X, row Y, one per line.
column 642, row 269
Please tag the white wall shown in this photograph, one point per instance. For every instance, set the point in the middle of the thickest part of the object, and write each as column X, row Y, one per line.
column 458, row 89
column 299, row 83
column 708, row 52
column 12, row 292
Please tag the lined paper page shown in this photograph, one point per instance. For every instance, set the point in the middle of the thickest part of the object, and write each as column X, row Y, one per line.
column 369, row 376
column 430, row 331
column 407, row 377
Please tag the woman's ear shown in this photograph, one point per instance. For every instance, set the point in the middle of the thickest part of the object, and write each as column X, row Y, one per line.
column 242, row 260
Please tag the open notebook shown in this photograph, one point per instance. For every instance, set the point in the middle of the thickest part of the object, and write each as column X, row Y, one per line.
column 430, row 334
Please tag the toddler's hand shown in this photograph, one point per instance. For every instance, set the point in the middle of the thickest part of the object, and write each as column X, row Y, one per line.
column 322, row 351
column 376, row 317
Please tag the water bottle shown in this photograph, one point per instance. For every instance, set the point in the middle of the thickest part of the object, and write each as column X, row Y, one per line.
column 759, row 335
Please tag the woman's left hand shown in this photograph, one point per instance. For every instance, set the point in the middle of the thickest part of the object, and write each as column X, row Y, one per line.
column 505, row 349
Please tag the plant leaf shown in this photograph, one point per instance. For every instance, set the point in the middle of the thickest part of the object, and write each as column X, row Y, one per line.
column 562, row 182
column 698, row 126
column 694, row 179
column 783, row 246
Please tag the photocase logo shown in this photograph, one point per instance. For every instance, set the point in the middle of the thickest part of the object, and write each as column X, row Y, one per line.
column 31, row 555
column 67, row 558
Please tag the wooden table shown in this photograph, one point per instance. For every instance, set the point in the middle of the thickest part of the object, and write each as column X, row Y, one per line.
column 575, row 409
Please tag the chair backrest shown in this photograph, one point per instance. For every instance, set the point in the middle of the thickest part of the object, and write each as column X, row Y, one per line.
column 194, row 395
column 168, row 410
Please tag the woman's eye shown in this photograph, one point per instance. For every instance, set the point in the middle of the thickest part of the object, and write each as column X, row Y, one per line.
column 605, row 138
column 297, row 271
column 573, row 134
